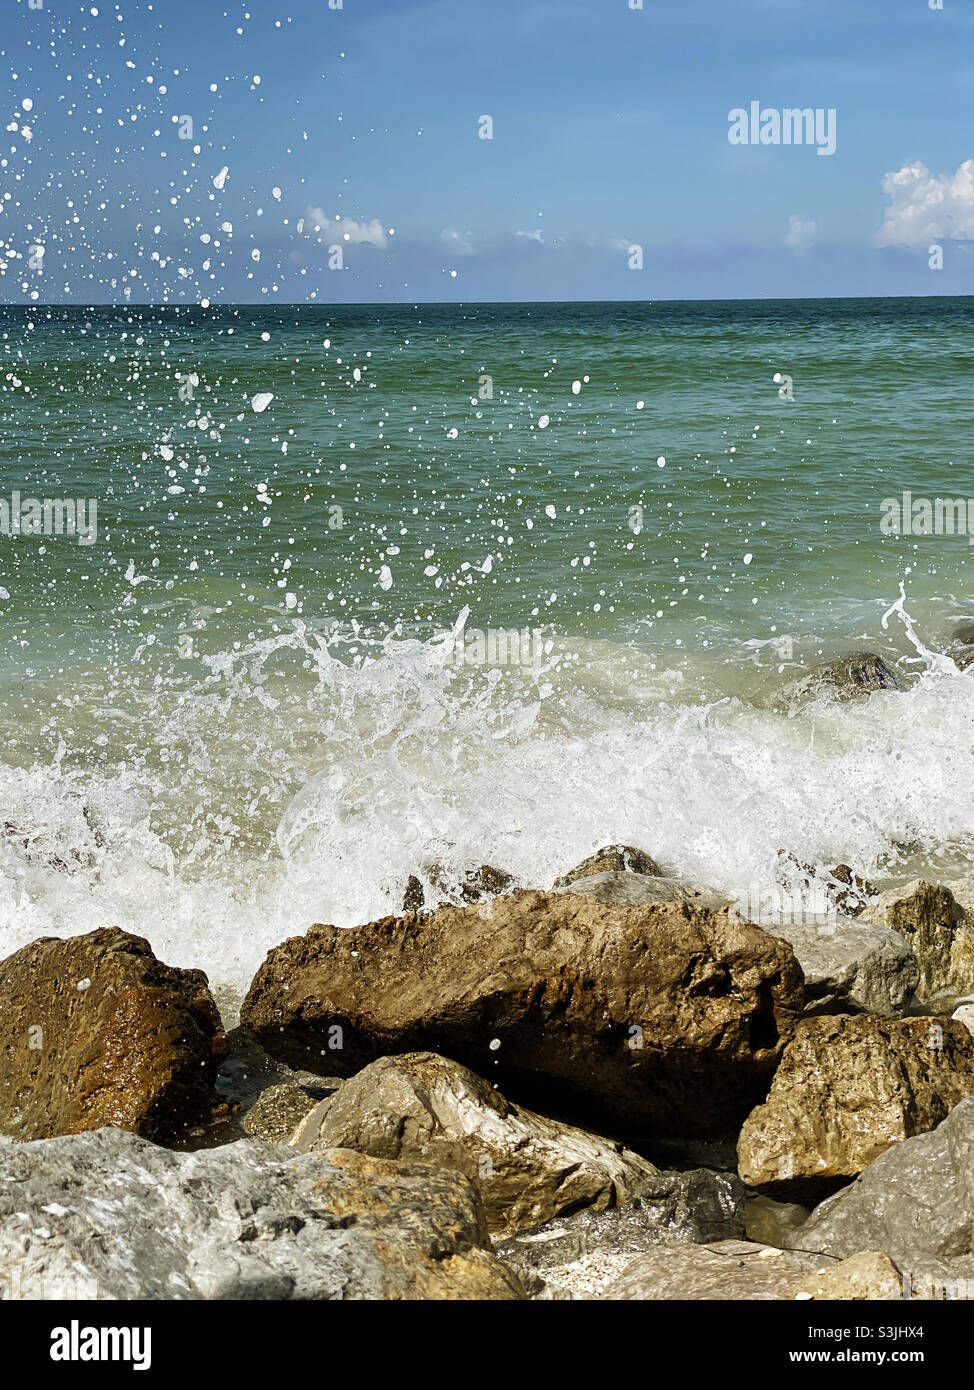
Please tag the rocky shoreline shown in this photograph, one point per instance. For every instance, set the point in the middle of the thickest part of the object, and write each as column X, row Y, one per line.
column 615, row 1088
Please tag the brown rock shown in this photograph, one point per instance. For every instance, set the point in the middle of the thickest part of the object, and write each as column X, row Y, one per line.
column 422, row 1108
column 95, row 1031
column 938, row 931
column 847, row 1089
column 846, row 678
column 870, row 1275
column 664, row 1017
column 612, row 858
column 472, row 886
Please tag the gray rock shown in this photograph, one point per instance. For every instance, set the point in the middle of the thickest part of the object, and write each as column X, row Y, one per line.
column 728, row 1269
column 424, row 1108
column 939, row 932
column 566, row 1256
column 278, row 1111
column 108, row 1215
column 915, row 1202
column 851, row 968
column 846, row 678
column 629, row 888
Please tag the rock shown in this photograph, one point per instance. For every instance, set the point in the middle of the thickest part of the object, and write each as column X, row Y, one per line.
column 846, row 678
column 851, row 968
column 961, row 649
column 769, row 1222
column 858, row 890
column 965, row 1015
column 915, row 1202
column 278, row 1111
column 935, row 925
column 242, row 1222
column 726, row 1269
column 472, row 886
column 633, row 889
column 425, row 1108
column 612, row 859
column 666, row 1017
column 94, row 1031
column 870, row 1275
column 575, row 1256
column 839, row 888
column 848, row 1088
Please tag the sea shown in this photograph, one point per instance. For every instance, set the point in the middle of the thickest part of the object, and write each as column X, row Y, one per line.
column 370, row 588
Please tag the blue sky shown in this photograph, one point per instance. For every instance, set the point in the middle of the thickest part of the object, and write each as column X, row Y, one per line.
column 610, row 130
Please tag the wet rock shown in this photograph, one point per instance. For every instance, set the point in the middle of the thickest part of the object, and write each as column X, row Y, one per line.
column 94, row 1031
column 278, row 1111
column 658, row 1018
column 846, row 1090
column 633, row 889
column 727, row 1269
column 424, row 1108
column 961, row 649
column 939, row 933
column 612, row 859
column 869, row 1275
column 846, row 678
column 576, row 1255
column 915, row 1202
column 244, row 1222
column 840, row 888
column 850, row 968
column 438, row 885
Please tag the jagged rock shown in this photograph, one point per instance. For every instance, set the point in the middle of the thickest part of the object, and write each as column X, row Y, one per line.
column 727, row 1269
column 612, row 859
column 848, row 1088
column 936, row 927
column 472, row 886
column 278, row 1111
column 869, row 1275
column 915, row 1202
column 663, row 1018
column 110, row 1216
column 850, row 968
column 577, row 1254
column 846, row 678
column 634, row 889
column 426, row 1109
column 94, row 1031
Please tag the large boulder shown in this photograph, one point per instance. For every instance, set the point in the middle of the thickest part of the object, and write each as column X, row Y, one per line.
column 425, row 1108
column 846, row 678
column 575, row 1256
column 612, row 859
column 94, row 1031
column 111, row 1216
column 663, row 1018
column 846, row 1090
column 939, row 932
column 915, row 1202
column 850, row 968
column 724, row 1270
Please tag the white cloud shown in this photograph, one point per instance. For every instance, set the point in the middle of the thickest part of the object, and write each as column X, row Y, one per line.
column 927, row 207
column 800, row 234
column 458, row 241
column 318, row 224
column 533, row 236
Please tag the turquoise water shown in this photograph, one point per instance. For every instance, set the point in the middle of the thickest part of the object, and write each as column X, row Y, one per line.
column 236, row 712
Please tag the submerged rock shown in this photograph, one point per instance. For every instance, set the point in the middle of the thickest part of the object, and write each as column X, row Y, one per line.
column 94, row 1031
column 845, row 678
column 424, row 1108
column 650, row 1019
column 110, row 1216
column 612, row 859
column 846, row 1090
column 915, row 1202
column 727, row 1269
column 577, row 1254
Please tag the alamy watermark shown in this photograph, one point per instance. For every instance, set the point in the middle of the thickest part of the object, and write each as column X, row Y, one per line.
column 495, row 646
column 923, row 516
column 52, row 516
column 793, row 125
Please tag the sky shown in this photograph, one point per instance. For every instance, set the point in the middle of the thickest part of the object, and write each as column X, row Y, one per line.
column 194, row 151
